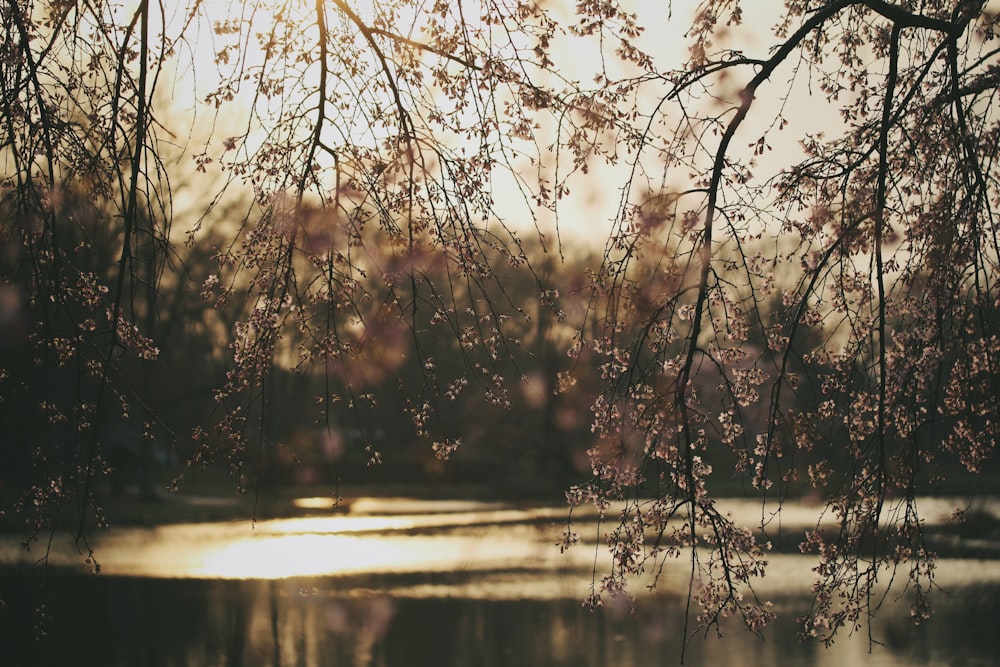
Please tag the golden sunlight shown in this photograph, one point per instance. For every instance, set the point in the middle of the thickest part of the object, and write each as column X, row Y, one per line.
column 278, row 557
column 285, row 548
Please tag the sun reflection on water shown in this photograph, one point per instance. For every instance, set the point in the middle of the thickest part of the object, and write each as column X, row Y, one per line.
column 283, row 551
column 277, row 557
column 349, row 543
column 379, row 536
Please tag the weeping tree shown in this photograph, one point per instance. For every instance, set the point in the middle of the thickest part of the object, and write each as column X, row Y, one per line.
column 879, row 232
column 360, row 173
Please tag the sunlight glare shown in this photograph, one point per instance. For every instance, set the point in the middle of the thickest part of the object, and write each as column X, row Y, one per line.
column 278, row 557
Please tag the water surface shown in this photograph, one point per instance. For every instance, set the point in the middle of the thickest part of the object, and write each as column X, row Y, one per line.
column 397, row 583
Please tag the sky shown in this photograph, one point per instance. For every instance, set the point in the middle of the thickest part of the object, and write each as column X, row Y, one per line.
column 587, row 215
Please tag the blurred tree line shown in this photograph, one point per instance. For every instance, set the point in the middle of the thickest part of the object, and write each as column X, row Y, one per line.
column 530, row 438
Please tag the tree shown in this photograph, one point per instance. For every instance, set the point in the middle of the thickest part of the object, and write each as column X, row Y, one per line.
column 904, row 183
column 397, row 153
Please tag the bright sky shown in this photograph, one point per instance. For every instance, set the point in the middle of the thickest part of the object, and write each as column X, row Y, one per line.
column 588, row 214
column 575, row 59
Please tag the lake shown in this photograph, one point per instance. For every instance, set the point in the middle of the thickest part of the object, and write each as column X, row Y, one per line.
column 410, row 583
